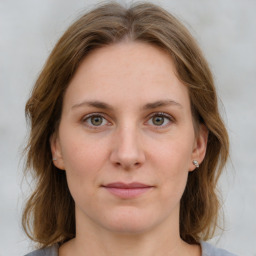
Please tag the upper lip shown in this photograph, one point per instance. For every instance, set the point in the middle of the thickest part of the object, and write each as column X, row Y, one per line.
column 123, row 185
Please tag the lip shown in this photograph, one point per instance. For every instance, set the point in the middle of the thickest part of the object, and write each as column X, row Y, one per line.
column 127, row 190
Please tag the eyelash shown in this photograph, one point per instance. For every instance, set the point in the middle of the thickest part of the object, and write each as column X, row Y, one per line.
column 101, row 115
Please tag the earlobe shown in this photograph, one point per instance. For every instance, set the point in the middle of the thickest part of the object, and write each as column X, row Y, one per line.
column 200, row 147
column 56, row 152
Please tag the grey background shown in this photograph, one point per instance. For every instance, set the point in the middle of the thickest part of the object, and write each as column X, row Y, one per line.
column 226, row 31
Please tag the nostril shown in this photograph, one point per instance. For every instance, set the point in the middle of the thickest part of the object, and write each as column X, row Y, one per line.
column 127, row 165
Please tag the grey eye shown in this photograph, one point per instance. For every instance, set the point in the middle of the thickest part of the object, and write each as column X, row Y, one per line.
column 158, row 120
column 96, row 120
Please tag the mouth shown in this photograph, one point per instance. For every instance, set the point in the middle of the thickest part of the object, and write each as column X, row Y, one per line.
column 127, row 190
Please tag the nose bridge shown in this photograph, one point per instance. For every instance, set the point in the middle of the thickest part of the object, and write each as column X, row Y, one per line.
column 128, row 139
column 128, row 151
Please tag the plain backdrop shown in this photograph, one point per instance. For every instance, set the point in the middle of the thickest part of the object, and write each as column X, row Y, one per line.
column 225, row 30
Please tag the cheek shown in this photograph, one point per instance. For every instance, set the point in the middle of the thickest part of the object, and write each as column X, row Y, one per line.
column 82, row 165
column 80, row 153
column 174, row 158
column 83, row 159
column 176, row 154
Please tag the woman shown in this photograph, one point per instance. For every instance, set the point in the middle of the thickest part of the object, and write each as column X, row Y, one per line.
column 126, row 141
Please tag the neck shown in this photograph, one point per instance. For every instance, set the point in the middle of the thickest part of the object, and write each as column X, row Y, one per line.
column 127, row 245
column 161, row 240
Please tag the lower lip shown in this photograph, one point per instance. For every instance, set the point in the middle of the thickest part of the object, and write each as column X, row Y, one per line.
column 127, row 193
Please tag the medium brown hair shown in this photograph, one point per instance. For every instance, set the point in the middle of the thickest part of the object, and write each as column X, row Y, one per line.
column 49, row 215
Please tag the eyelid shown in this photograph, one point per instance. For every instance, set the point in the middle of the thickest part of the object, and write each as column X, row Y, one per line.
column 93, row 114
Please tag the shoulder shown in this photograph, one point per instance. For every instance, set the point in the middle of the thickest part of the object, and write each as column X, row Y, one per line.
column 210, row 250
column 48, row 251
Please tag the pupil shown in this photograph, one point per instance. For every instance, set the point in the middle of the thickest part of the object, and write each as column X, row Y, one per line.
column 158, row 120
column 97, row 120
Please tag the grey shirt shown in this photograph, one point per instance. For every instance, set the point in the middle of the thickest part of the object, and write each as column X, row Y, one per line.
column 207, row 250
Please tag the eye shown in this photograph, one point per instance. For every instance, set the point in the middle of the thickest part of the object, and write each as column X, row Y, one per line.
column 160, row 119
column 95, row 120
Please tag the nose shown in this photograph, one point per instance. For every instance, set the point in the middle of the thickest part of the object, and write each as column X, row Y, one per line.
column 127, row 151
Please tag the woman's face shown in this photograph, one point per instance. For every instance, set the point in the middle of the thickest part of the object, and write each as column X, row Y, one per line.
column 126, row 139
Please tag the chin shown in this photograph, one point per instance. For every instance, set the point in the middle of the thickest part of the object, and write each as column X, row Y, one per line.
column 130, row 221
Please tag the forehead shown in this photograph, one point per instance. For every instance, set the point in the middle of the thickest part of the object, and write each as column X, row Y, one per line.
column 124, row 55
column 128, row 70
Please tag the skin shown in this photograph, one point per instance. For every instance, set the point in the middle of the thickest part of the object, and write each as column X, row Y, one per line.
column 126, row 117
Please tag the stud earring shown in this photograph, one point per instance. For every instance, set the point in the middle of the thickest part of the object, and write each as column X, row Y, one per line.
column 54, row 159
column 195, row 163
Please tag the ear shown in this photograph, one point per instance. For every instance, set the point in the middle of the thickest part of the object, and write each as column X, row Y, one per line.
column 200, row 145
column 56, row 152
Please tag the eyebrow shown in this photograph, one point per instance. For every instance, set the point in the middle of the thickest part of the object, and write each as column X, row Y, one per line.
column 96, row 104
column 105, row 106
column 162, row 103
